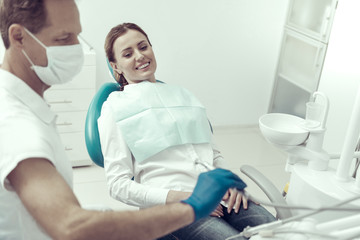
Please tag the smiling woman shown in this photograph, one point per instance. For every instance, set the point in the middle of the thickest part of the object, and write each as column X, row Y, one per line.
column 160, row 134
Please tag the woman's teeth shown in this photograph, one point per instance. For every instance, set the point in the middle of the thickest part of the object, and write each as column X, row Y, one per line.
column 143, row 66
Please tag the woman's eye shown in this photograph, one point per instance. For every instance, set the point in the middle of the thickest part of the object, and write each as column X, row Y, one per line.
column 143, row 48
column 127, row 55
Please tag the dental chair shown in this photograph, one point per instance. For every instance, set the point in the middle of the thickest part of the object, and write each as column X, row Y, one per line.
column 93, row 146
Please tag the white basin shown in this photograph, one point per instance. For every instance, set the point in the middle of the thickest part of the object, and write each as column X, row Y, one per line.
column 283, row 129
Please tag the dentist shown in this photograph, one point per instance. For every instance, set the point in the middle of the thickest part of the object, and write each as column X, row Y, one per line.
column 36, row 197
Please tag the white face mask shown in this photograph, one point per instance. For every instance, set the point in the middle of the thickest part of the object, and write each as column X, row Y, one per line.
column 64, row 63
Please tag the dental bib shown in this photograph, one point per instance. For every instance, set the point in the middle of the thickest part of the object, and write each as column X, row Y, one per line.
column 156, row 116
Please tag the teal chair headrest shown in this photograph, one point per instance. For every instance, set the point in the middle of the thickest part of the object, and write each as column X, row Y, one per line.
column 92, row 138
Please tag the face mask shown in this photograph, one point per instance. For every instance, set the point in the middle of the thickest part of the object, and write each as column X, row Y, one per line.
column 64, row 62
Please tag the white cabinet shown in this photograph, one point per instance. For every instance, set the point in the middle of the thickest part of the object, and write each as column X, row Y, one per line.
column 70, row 102
column 301, row 60
column 312, row 18
column 302, row 55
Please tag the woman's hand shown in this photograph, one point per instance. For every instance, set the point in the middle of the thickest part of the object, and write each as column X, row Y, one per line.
column 218, row 212
column 233, row 198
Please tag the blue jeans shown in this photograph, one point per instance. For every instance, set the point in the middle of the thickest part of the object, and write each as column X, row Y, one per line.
column 215, row 228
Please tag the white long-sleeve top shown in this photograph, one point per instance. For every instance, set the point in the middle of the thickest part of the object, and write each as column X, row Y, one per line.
column 171, row 169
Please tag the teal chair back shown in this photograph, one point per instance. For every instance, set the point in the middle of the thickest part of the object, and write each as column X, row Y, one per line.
column 92, row 138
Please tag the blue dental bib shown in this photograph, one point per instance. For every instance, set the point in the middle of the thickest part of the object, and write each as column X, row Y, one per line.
column 155, row 116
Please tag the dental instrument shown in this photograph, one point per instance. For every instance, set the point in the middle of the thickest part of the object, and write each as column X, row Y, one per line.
column 205, row 165
column 250, row 231
column 323, row 227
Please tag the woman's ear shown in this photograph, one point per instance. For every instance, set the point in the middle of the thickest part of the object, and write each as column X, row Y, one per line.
column 115, row 69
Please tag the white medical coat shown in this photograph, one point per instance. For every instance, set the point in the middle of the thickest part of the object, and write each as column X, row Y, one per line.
column 27, row 130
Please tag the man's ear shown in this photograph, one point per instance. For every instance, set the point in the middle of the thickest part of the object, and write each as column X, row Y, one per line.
column 16, row 35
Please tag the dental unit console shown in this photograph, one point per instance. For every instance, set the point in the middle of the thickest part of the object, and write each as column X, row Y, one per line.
column 331, row 195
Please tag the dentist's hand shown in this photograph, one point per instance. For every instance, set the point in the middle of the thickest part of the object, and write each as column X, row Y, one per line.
column 210, row 189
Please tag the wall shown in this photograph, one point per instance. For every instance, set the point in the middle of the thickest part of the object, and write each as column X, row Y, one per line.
column 340, row 79
column 224, row 51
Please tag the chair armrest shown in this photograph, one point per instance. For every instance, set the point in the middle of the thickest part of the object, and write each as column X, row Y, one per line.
column 268, row 188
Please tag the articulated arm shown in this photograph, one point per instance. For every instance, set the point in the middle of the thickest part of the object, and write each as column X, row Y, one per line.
column 268, row 188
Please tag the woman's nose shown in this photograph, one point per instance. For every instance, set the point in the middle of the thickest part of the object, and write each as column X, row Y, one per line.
column 139, row 56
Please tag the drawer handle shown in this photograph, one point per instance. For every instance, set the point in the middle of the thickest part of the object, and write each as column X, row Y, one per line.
column 64, row 124
column 68, row 149
column 60, row 102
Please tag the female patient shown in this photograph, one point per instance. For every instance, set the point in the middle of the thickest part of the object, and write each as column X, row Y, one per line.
column 159, row 134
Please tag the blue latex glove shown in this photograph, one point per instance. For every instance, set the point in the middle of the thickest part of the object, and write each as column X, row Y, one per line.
column 210, row 189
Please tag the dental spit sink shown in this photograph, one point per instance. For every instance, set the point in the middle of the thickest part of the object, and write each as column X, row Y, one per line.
column 283, row 129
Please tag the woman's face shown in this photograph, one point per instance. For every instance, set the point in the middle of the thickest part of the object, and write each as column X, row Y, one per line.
column 135, row 58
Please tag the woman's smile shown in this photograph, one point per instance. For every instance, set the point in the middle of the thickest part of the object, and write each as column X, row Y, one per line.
column 144, row 66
